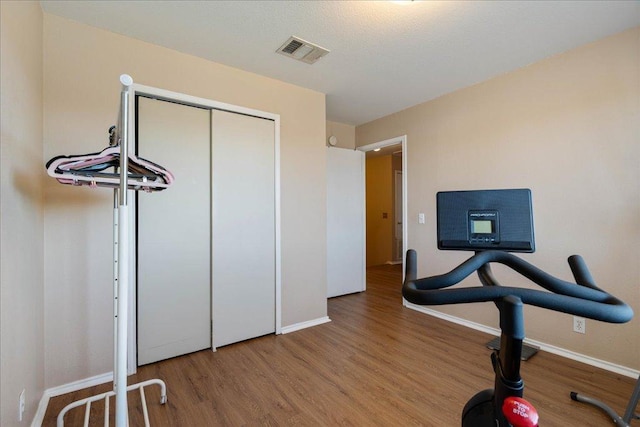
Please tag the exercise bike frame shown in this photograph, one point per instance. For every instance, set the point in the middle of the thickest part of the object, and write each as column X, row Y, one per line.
column 582, row 298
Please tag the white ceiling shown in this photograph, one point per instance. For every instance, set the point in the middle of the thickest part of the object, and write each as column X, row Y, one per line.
column 385, row 56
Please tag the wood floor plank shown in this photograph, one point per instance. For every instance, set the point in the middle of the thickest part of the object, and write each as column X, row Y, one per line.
column 375, row 364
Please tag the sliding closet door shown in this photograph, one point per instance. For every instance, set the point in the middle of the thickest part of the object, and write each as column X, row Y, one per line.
column 174, row 233
column 243, row 227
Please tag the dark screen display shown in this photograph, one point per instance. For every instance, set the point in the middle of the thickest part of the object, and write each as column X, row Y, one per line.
column 482, row 226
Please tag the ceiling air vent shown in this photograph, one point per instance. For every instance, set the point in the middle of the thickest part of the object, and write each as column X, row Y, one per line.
column 302, row 50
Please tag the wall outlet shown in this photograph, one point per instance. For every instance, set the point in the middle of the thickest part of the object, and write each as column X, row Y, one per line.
column 579, row 325
column 21, row 405
column 420, row 218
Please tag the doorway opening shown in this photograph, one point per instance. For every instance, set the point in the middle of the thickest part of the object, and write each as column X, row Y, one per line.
column 386, row 202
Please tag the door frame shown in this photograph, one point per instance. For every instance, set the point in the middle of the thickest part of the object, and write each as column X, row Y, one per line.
column 405, row 235
column 395, row 209
column 180, row 98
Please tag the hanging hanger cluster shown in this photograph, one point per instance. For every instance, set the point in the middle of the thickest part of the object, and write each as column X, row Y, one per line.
column 92, row 169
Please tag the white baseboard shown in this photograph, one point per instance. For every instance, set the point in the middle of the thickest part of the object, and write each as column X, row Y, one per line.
column 80, row 384
column 304, row 325
column 572, row 355
column 64, row 389
column 38, row 419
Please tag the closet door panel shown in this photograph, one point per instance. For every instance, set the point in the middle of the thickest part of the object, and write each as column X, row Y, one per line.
column 173, row 270
column 243, row 257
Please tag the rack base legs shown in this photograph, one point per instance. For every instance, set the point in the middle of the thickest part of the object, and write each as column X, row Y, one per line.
column 106, row 396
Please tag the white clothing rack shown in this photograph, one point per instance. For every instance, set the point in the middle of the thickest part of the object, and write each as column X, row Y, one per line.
column 120, row 289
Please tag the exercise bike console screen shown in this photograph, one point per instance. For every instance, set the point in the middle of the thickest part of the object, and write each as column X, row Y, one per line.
column 485, row 219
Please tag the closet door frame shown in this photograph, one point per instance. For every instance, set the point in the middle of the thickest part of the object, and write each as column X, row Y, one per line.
column 179, row 98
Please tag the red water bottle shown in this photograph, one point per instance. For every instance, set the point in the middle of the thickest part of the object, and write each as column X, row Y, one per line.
column 519, row 412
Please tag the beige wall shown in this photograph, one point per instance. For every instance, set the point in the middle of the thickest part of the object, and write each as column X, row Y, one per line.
column 379, row 201
column 82, row 65
column 568, row 128
column 346, row 134
column 21, row 206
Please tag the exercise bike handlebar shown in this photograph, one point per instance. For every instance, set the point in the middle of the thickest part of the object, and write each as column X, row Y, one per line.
column 582, row 298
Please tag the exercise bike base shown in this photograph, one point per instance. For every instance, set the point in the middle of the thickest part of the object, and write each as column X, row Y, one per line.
column 479, row 412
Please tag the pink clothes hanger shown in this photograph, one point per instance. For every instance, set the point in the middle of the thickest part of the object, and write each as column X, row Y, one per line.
column 89, row 169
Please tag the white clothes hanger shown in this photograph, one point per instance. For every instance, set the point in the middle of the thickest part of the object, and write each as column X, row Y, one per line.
column 88, row 169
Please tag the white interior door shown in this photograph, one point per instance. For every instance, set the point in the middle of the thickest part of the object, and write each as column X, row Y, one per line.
column 345, row 222
column 243, row 257
column 173, row 253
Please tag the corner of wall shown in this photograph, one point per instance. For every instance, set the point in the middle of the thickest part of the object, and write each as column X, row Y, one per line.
column 345, row 134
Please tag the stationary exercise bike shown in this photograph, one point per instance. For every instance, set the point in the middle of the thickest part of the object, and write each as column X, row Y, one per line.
column 494, row 223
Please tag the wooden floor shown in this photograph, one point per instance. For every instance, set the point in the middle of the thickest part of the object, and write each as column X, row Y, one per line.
column 376, row 364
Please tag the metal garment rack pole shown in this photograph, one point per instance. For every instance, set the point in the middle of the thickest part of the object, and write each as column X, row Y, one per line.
column 122, row 281
column 120, row 289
